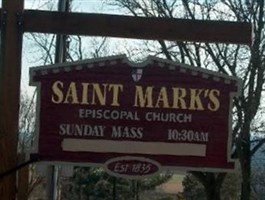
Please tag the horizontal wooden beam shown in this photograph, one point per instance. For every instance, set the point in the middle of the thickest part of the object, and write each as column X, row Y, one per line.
column 137, row 27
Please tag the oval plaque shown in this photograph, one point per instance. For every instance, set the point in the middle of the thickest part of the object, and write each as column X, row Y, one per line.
column 132, row 167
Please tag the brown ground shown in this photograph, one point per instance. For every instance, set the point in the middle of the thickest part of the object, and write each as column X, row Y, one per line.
column 173, row 186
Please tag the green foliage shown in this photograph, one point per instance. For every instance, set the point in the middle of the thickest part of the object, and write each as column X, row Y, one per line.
column 193, row 189
column 95, row 183
column 231, row 186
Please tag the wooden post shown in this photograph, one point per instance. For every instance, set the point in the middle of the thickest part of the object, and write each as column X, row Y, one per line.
column 22, row 179
column 10, row 72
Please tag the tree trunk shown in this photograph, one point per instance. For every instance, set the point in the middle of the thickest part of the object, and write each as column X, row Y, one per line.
column 212, row 183
column 246, row 170
column 245, row 187
column 213, row 192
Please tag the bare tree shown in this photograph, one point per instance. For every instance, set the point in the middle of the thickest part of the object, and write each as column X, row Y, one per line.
column 28, row 179
column 26, row 122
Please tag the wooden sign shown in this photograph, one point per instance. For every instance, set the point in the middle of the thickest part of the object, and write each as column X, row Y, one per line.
column 135, row 119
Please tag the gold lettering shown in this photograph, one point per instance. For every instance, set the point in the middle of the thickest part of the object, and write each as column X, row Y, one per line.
column 97, row 92
column 57, row 96
column 71, row 95
column 144, row 96
column 162, row 100
column 143, row 99
column 85, row 93
column 116, row 89
column 178, row 98
column 195, row 100
column 215, row 103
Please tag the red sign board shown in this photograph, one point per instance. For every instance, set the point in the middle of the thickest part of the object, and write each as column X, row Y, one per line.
column 118, row 114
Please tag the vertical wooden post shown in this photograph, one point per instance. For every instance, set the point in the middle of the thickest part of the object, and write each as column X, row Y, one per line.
column 22, row 179
column 10, row 72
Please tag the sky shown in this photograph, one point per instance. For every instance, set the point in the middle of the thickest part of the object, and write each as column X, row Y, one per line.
column 93, row 6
